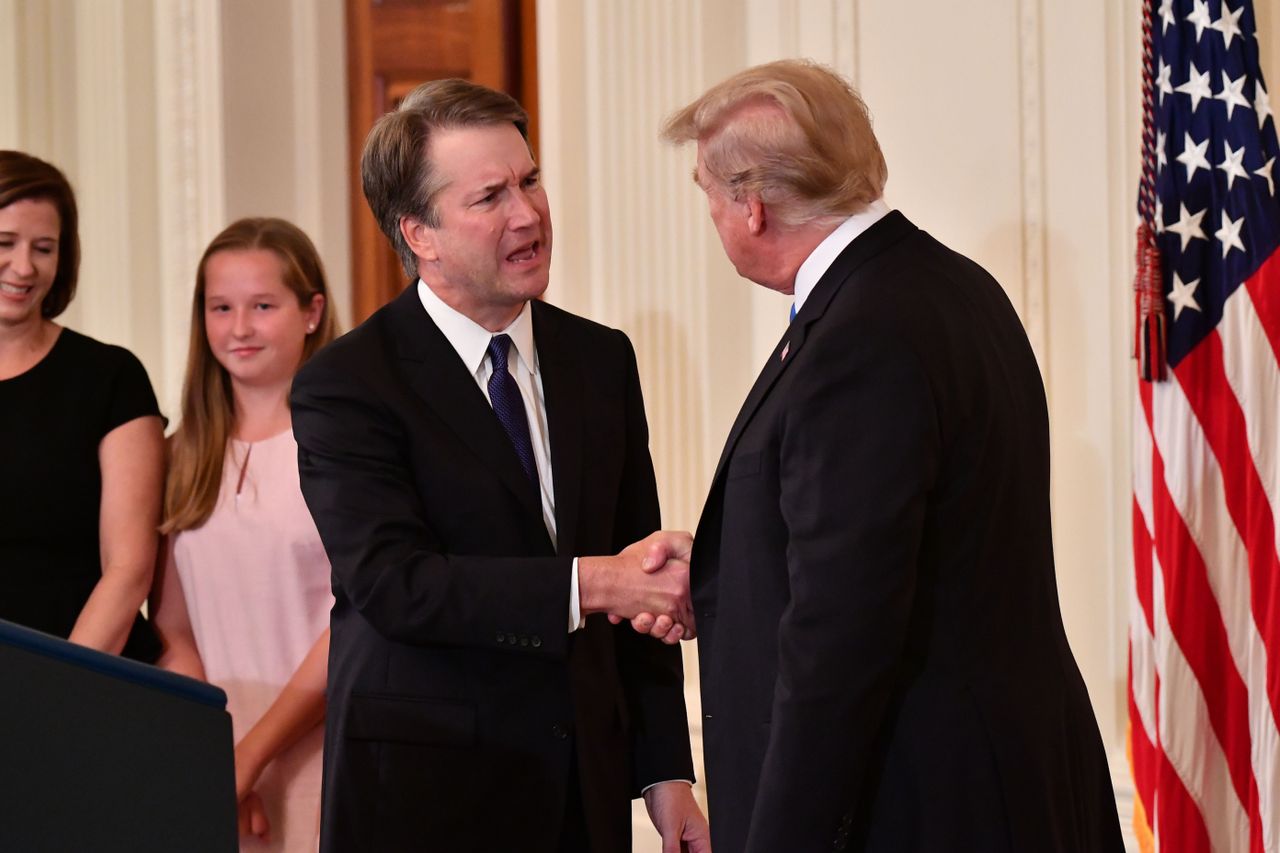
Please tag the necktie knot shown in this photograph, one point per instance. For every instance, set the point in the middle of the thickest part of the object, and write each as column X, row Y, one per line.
column 499, row 346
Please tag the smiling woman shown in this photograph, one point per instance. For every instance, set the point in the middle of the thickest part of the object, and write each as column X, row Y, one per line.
column 80, row 437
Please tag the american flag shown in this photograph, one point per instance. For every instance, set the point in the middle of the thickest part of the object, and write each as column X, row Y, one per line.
column 1204, row 637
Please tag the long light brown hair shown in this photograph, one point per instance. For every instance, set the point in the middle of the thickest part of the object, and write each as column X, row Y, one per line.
column 198, row 448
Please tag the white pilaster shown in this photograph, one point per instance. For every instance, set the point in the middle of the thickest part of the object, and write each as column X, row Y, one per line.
column 102, row 172
column 190, row 194
column 11, row 75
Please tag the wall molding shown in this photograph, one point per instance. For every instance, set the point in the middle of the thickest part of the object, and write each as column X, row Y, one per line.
column 103, row 174
column 189, row 146
column 11, row 75
column 307, row 92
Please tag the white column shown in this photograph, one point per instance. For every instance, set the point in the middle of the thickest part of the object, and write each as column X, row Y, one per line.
column 102, row 172
column 11, row 75
column 189, row 164
column 320, row 140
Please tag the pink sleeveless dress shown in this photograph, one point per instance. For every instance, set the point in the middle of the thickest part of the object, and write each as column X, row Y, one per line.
column 256, row 582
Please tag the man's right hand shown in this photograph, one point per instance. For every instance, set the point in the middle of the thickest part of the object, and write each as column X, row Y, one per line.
column 647, row 582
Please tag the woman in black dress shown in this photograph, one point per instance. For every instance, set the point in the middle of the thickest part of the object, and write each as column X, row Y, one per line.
column 81, row 438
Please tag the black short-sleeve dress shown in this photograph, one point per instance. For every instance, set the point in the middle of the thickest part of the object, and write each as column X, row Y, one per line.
column 52, row 419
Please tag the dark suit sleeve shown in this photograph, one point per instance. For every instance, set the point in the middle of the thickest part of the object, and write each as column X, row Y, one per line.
column 859, row 453
column 652, row 673
column 356, row 476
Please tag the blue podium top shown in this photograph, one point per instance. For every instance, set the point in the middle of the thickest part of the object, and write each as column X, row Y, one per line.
column 112, row 666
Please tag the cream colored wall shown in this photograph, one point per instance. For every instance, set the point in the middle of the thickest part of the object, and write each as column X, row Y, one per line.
column 171, row 118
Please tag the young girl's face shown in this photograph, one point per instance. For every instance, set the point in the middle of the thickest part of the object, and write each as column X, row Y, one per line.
column 255, row 326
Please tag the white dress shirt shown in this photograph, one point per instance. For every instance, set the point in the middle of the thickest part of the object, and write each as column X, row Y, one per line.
column 471, row 341
column 826, row 252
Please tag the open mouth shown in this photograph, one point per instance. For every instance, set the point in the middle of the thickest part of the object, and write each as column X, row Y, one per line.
column 15, row 289
column 526, row 253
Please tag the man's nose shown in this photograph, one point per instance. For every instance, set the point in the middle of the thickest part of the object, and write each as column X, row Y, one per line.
column 522, row 212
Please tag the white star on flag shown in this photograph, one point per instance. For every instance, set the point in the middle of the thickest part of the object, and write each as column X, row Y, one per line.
column 1228, row 24
column 1232, row 93
column 1192, row 156
column 1188, row 225
column 1200, row 17
column 1159, row 216
column 1162, row 159
column 1229, row 233
column 1197, row 86
column 1261, row 103
column 1163, row 82
column 1183, row 295
column 1232, row 164
column 1266, row 174
column 1166, row 16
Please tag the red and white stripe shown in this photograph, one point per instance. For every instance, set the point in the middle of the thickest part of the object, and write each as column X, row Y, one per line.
column 1204, row 639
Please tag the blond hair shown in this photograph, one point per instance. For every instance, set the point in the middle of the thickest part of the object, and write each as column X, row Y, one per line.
column 792, row 133
column 199, row 446
column 395, row 172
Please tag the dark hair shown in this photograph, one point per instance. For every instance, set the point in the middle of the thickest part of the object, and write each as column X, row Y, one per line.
column 23, row 177
column 397, row 178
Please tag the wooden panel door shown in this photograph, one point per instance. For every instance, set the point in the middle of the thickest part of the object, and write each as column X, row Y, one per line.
column 392, row 46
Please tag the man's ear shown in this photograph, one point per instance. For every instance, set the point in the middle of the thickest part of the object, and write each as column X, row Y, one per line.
column 420, row 237
column 755, row 215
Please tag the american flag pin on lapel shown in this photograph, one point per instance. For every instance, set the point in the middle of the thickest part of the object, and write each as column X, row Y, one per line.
column 786, row 348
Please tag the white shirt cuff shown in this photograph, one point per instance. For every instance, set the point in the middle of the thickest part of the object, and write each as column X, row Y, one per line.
column 688, row 782
column 575, row 605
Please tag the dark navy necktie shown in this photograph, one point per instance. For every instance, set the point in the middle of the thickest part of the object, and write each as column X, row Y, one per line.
column 508, row 405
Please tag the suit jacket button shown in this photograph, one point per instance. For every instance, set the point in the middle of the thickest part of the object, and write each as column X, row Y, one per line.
column 559, row 732
column 524, row 642
column 502, row 638
column 537, row 641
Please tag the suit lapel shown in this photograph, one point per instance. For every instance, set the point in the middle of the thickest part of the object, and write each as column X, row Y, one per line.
column 436, row 374
column 566, row 412
column 884, row 233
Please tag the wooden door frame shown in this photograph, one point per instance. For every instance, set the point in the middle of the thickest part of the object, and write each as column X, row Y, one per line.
column 512, row 67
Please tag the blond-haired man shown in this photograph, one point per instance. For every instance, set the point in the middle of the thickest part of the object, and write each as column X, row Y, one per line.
column 458, row 450
column 884, row 666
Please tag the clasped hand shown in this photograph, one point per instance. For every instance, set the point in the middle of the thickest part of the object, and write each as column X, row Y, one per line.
column 646, row 583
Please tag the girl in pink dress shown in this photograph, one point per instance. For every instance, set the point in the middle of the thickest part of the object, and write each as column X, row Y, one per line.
column 243, row 596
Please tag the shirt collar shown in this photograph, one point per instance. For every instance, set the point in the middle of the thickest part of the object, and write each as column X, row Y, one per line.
column 471, row 340
column 826, row 252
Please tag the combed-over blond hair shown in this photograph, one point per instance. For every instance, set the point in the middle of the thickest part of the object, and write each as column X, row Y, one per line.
column 810, row 153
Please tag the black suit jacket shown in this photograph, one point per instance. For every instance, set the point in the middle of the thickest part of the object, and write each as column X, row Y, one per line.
column 883, row 660
column 457, row 698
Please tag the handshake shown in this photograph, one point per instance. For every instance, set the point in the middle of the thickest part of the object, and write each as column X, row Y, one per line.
column 647, row 583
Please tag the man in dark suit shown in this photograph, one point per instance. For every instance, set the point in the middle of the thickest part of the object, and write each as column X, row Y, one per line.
column 457, row 450
column 884, row 665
